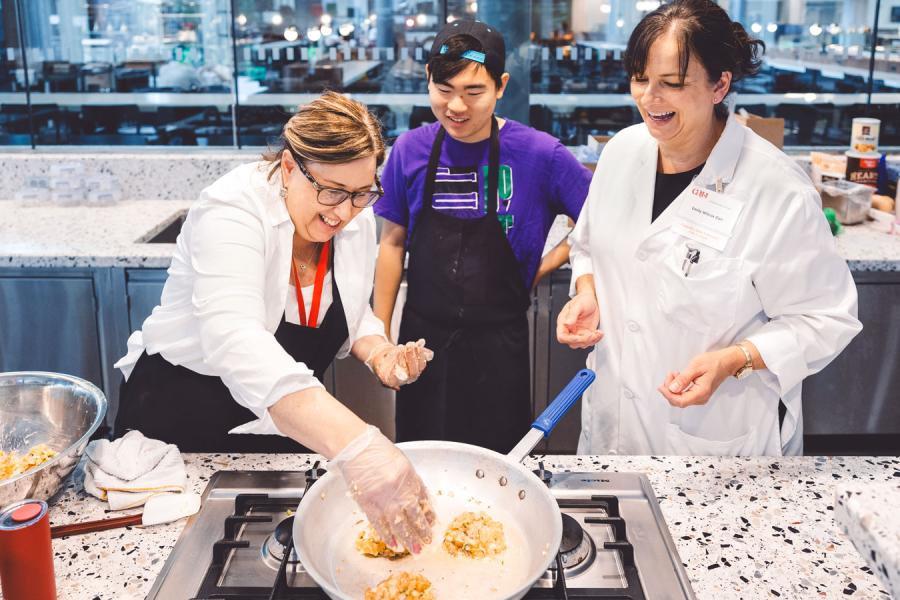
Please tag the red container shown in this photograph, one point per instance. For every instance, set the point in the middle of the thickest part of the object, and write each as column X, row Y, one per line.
column 26, row 557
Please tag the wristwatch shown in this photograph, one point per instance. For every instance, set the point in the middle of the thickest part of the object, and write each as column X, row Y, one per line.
column 747, row 367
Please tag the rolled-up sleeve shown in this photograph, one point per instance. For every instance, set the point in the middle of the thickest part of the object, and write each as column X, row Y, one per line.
column 807, row 292
column 227, row 250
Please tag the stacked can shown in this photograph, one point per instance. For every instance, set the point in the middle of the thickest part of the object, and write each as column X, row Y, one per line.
column 26, row 557
column 863, row 156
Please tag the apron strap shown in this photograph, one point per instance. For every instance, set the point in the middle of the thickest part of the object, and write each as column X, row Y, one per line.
column 492, row 199
column 430, row 174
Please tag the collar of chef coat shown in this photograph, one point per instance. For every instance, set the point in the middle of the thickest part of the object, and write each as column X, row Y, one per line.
column 720, row 165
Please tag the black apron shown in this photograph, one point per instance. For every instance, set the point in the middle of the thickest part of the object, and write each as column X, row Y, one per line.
column 466, row 297
column 196, row 412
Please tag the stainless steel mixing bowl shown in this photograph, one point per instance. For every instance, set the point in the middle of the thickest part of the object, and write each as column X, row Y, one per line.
column 46, row 408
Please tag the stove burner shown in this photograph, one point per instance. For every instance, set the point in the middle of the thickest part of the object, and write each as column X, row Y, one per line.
column 275, row 544
column 576, row 549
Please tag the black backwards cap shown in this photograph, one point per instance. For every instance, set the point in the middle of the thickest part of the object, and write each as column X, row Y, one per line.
column 494, row 55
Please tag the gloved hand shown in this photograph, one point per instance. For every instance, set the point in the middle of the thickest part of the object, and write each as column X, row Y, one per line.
column 398, row 365
column 385, row 485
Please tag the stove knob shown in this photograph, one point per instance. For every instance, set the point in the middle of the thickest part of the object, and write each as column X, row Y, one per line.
column 543, row 474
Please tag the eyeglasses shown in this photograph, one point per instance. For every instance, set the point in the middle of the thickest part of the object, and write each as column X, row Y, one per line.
column 334, row 196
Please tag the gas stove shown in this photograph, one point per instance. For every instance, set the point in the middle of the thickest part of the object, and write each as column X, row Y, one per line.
column 615, row 542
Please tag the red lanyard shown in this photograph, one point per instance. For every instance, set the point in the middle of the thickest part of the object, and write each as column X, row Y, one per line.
column 317, row 289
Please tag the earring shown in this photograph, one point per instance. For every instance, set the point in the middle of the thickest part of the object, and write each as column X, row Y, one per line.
column 283, row 193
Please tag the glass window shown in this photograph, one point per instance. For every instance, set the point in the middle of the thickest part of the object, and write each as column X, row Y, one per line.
column 815, row 70
column 815, row 73
column 15, row 129
column 373, row 49
column 220, row 72
column 126, row 72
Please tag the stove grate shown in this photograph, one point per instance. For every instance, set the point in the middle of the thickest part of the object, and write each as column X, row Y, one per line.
column 246, row 503
column 633, row 591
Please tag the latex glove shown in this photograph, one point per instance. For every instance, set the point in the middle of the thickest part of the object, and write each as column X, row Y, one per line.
column 576, row 325
column 387, row 488
column 398, row 365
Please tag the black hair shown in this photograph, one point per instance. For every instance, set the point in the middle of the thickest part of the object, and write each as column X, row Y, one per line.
column 703, row 29
column 444, row 67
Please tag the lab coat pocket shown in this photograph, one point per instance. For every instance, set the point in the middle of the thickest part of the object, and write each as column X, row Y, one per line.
column 706, row 299
column 684, row 444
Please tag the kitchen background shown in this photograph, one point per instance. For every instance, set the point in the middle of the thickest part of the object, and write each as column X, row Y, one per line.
column 167, row 77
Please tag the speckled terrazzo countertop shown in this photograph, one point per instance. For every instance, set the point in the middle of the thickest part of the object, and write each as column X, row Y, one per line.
column 867, row 513
column 80, row 236
column 53, row 236
column 744, row 527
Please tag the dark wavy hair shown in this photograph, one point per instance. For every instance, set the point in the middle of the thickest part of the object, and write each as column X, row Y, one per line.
column 705, row 30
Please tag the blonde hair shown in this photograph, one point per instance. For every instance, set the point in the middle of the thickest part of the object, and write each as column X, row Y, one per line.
column 330, row 129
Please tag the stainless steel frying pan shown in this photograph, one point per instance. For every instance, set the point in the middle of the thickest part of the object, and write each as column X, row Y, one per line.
column 460, row 477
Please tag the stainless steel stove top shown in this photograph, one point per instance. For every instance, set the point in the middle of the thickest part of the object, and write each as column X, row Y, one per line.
column 232, row 547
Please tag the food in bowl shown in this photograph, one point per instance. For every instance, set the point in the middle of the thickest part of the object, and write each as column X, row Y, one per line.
column 370, row 544
column 402, row 586
column 475, row 535
column 11, row 464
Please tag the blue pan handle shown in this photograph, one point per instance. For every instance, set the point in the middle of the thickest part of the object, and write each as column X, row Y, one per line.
column 564, row 401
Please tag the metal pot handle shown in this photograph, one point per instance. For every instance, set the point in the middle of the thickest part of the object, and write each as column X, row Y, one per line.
column 555, row 411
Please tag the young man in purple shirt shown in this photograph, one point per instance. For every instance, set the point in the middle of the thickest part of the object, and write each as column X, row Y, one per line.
column 471, row 198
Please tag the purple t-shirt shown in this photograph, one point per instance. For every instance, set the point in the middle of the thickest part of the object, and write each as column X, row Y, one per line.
column 539, row 179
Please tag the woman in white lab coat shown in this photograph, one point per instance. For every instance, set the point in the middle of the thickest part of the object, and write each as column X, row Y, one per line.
column 702, row 260
column 270, row 280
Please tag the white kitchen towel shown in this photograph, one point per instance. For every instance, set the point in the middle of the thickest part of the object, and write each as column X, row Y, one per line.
column 127, row 471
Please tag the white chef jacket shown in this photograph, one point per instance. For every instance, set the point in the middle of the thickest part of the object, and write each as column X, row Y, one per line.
column 228, row 286
column 778, row 283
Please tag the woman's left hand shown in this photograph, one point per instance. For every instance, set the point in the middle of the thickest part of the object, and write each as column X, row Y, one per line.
column 702, row 377
column 398, row 365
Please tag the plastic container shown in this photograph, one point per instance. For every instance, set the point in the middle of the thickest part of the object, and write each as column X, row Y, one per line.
column 33, row 196
column 103, row 197
column 67, row 197
column 26, row 556
column 66, row 170
column 851, row 201
column 64, row 184
column 100, row 183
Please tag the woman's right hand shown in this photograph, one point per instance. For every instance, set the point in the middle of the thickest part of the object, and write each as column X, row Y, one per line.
column 387, row 488
column 576, row 325
column 396, row 365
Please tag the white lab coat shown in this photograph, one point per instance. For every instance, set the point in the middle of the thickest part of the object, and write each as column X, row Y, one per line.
column 779, row 283
column 228, row 287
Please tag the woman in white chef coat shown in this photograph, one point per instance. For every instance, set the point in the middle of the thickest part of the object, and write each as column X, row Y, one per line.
column 270, row 280
column 703, row 250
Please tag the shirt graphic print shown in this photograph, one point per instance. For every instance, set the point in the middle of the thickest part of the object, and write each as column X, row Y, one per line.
column 456, row 188
column 538, row 179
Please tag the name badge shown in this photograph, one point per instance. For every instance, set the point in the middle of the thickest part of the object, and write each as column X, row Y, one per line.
column 708, row 217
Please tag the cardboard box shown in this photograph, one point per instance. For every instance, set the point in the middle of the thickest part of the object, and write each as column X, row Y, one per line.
column 771, row 129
